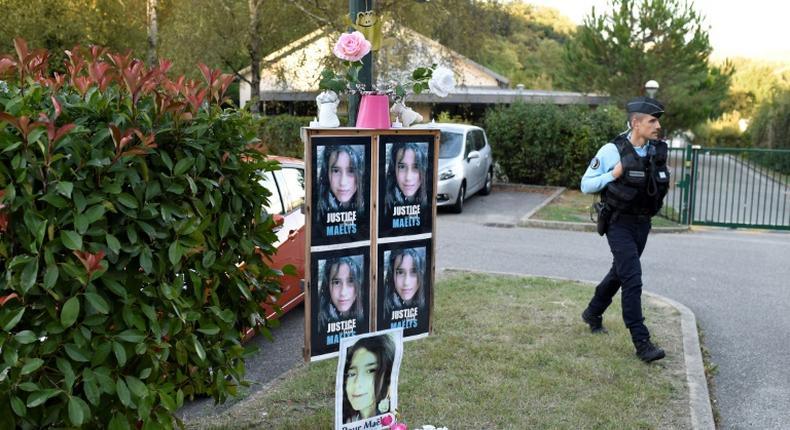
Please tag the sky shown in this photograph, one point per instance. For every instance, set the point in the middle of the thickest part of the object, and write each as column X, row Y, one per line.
column 754, row 29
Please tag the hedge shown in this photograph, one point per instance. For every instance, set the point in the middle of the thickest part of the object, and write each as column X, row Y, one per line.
column 280, row 134
column 131, row 237
column 546, row 144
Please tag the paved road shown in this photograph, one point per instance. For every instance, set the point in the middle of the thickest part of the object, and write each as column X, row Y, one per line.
column 736, row 282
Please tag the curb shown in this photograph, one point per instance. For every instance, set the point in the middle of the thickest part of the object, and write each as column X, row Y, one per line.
column 699, row 397
column 526, row 220
column 588, row 227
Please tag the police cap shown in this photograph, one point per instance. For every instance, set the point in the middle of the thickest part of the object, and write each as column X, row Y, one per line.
column 645, row 105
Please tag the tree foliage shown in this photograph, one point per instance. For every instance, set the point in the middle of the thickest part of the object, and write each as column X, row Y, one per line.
column 665, row 40
column 58, row 25
column 131, row 241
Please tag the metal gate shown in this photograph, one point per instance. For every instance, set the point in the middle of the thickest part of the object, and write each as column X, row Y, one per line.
column 730, row 187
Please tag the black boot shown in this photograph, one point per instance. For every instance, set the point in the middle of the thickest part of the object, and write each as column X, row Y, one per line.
column 595, row 323
column 648, row 352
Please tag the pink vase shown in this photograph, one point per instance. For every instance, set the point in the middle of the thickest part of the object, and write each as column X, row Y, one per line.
column 374, row 111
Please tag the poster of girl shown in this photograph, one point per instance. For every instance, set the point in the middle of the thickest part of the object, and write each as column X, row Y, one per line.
column 407, row 190
column 339, row 298
column 404, row 290
column 341, row 190
column 366, row 384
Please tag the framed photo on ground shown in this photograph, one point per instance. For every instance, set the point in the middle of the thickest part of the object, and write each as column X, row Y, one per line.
column 366, row 384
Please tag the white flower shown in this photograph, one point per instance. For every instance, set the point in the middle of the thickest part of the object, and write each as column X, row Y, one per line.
column 442, row 81
column 3, row 87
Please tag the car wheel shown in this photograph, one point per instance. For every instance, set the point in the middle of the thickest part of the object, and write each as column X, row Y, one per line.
column 489, row 183
column 458, row 206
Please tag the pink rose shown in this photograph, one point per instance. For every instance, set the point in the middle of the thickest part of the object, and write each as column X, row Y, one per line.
column 387, row 419
column 351, row 46
column 399, row 426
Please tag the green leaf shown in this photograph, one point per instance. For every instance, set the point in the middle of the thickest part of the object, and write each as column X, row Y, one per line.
column 123, row 393
column 183, row 165
column 12, row 146
column 51, row 276
column 137, row 386
column 55, row 200
column 113, row 243
column 98, row 303
column 70, row 312
column 14, row 319
column 39, row 397
column 29, row 387
column 201, row 353
column 131, row 336
column 29, row 275
column 224, row 224
column 209, row 257
column 95, row 213
column 75, row 353
column 167, row 401
column 68, row 373
column 120, row 353
column 209, row 329
column 174, row 252
column 75, row 411
column 79, row 201
column 71, row 239
column 18, row 406
column 31, row 366
column 25, row 337
column 166, row 160
column 145, row 260
column 65, row 188
column 128, row 200
column 92, row 392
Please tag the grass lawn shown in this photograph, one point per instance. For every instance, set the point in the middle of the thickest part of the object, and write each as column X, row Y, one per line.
column 574, row 206
column 506, row 353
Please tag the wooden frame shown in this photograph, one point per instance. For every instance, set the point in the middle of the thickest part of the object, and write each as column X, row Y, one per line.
column 335, row 136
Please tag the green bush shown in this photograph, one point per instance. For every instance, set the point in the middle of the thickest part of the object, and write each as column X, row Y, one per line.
column 546, row 144
column 280, row 134
column 131, row 236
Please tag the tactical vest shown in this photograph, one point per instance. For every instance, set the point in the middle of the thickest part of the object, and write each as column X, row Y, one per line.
column 644, row 182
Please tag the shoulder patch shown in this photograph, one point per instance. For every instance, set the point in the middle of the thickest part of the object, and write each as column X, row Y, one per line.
column 595, row 163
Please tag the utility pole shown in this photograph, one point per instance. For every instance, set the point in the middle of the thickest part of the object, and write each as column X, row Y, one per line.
column 366, row 73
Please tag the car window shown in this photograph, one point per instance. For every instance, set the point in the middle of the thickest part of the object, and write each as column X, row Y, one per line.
column 450, row 145
column 479, row 139
column 294, row 183
column 470, row 143
column 275, row 205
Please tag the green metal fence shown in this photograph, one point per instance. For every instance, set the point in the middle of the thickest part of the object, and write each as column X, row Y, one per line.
column 730, row 187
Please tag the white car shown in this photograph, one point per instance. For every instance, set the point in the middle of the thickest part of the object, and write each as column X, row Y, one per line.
column 466, row 165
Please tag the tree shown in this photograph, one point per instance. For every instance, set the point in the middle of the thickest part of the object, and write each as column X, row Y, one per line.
column 153, row 31
column 665, row 40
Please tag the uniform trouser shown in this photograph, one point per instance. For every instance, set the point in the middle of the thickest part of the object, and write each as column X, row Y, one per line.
column 626, row 241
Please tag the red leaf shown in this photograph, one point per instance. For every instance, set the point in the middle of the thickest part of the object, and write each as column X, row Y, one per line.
column 58, row 109
column 6, row 299
column 91, row 262
column 21, row 50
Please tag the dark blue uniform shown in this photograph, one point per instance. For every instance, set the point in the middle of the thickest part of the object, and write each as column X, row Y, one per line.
column 631, row 200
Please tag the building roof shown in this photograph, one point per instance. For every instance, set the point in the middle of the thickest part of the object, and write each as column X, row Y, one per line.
column 292, row 73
